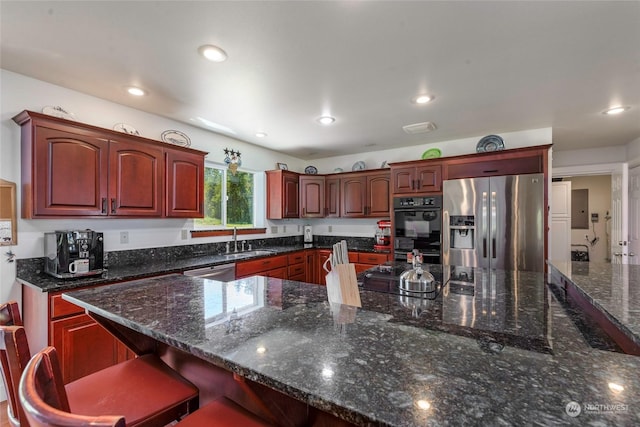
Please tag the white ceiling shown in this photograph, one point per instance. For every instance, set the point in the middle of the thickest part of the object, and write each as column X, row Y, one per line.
column 493, row 66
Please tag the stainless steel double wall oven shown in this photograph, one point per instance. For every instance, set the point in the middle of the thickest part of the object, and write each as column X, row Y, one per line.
column 417, row 223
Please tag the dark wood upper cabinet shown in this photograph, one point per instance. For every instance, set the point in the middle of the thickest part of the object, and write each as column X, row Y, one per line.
column 64, row 173
column 378, row 199
column 282, row 194
column 136, row 179
column 353, row 195
column 71, row 169
column 365, row 195
column 416, row 179
column 312, row 196
column 332, row 196
column 184, row 176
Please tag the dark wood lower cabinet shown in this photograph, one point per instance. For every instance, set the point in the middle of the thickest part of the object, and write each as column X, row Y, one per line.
column 85, row 347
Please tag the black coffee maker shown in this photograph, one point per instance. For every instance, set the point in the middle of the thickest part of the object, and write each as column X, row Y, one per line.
column 73, row 253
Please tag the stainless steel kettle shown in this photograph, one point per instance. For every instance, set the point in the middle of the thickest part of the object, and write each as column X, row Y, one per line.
column 417, row 280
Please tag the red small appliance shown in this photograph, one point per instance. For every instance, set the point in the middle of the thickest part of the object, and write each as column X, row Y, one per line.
column 383, row 235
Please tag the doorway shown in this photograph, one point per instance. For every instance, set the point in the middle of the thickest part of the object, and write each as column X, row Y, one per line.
column 603, row 239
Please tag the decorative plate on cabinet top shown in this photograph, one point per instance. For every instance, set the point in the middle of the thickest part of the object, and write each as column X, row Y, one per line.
column 311, row 170
column 59, row 112
column 338, row 170
column 176, row 137
column 490, row 143
column 432, row 153
column 125, row 128
column 358, row 166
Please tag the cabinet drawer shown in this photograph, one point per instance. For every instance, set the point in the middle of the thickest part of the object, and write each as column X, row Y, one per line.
column 296, row 258
column 371, row 258
column 514, row 166
column 297, row 269
column 61, row 308
column 248, row 268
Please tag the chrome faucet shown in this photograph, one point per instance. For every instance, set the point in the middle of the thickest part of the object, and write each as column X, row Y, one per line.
column 235, row 239
column 244, row 242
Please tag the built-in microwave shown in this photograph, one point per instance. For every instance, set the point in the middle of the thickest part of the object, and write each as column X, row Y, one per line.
column 417, row 223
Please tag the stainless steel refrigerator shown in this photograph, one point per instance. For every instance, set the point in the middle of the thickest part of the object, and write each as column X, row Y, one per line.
column 494, row 222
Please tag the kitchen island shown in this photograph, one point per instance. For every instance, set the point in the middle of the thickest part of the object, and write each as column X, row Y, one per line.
column 382, row 364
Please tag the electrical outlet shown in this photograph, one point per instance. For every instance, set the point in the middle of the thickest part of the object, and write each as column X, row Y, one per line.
column 330, row 228
column 586, row 237
column 284, row 228
column 124, row 237
column 185, row 234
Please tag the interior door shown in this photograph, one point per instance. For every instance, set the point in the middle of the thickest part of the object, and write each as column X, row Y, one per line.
column 560, row 235
column 619, row 212
column 634, row 215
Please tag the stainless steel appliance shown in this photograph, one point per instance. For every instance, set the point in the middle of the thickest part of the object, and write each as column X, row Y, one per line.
column 417, row 225
column 494, row 222
column 222, row 273
column 73, row 253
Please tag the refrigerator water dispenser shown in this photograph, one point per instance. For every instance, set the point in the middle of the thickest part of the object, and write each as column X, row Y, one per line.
column 462, row 232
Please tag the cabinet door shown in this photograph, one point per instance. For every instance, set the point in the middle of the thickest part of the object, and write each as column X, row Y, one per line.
column 353, row 196
column 69, row 174
column 136, row 175
column 282, row 194
column 332, row 197
column 312, row 196
column 323, row 255
column 378, row 197
column 184, row 184
column 429, row 178
column 291, row 206
column 311, row 264
column 83, row 346
column 403, row 179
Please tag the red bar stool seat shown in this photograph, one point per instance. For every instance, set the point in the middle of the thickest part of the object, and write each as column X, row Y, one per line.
column 46, row 405
column 144, row 390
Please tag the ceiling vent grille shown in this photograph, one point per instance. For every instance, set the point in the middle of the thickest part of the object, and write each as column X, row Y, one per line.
column 419, row 128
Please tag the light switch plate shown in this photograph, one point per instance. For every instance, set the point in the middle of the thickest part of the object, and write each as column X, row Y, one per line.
column 274, row 229
column 124, row 237
column 185, row 234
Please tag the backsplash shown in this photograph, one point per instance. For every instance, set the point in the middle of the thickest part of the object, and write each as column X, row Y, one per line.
column 168, row 253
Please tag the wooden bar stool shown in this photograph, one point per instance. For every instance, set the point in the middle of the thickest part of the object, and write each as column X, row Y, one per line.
column 10, row 316
column 45, row 402
column 145, row 390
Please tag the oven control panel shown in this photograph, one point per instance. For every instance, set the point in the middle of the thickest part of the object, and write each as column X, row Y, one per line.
column 420, row 202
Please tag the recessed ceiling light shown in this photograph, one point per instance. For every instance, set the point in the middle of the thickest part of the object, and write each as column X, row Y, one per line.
column 212, row 53
column 615, row 110
column 326, row 120
column 136, row 91
column 261, row 134
column 422, row 99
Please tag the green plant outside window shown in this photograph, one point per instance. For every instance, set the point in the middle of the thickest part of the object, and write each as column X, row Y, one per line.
column 228, row 199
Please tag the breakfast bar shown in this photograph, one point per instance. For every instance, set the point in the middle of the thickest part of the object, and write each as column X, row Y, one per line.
column 387, row 363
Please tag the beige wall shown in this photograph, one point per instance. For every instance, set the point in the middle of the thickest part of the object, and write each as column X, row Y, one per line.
column 599, row 187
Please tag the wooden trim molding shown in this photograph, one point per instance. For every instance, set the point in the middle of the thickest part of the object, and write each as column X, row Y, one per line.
column 226, row 232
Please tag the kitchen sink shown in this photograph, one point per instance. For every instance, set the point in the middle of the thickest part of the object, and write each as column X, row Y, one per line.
column 247, row 254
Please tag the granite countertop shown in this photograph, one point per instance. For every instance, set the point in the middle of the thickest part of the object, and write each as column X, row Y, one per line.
column 40, row 280
column 375, row 365
column 613, row 289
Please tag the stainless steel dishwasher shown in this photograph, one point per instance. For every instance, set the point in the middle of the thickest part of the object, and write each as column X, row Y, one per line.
column 223, row 272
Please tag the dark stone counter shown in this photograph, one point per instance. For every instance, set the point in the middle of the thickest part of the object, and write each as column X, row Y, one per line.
column 154, row 262
column 379, row 364
column 612, row 289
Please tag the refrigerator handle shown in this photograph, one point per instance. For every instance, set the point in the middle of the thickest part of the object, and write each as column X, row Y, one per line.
column 484, row 224
column 494, row 220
